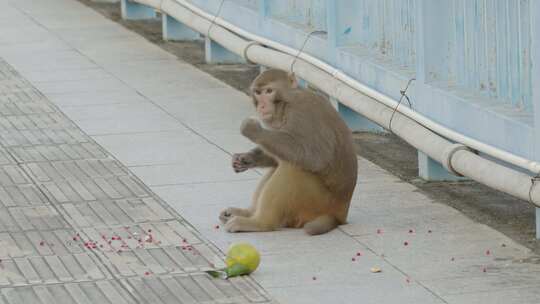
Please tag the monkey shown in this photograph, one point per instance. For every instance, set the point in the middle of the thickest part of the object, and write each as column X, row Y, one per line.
column 308, row 151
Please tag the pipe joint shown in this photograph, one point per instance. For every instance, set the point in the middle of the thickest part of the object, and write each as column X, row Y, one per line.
column 449, row 153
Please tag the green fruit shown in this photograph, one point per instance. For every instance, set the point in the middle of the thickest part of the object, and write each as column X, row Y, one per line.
column 243, row 254
column 241, row 259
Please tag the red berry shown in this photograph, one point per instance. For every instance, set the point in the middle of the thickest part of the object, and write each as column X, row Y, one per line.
column 411, row 231
column 484, row 269
column 147, row 273
column 408, row 280
column 405, row 243
column 42, row 243
column 353, row 259
column 74, row 238
column 358, row 253
column 184, row 241
column 379, row 231
column 488, row 252
column 216, row 227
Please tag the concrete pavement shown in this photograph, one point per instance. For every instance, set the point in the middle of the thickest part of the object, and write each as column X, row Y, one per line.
column 105, row 135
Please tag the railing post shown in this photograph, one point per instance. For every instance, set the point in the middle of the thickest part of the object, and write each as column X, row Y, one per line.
column 135, row 11
column 214, row 53
column 535, row 78
column 432, row 22
column 355, row 121
column 174, row 30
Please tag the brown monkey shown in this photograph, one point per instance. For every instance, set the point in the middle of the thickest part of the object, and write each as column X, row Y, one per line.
column 309, row 150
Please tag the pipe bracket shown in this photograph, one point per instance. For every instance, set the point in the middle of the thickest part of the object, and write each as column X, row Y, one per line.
column 244, row 53
column 449, row 153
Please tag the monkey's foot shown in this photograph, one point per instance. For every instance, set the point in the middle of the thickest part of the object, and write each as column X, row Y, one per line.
column 228, row 213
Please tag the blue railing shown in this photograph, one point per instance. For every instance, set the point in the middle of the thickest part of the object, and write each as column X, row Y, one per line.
column 472, row 59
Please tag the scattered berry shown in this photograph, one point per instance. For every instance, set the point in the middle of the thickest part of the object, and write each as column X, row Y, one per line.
column 216, row 227
column 379, row 231
column 358, row 253
column 149, row 230
column 429, row 231
column 488, row 252
column 408, row 280
column 314, row 278
column 353, row 259
column 484, row 269
column 42, row 243
column 411, row 231
column 503, row 245
column 405, row 243
column 184, row 241
column 452, row 259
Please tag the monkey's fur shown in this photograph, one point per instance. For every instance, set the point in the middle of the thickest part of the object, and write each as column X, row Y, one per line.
column 309, row 150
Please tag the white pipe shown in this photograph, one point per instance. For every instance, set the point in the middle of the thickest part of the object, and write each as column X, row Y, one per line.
column 460, row 161
column 419, row 118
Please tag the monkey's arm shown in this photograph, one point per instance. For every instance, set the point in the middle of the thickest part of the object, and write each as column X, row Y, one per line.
column 283, row 145
column 261, row 159
column 255, row 158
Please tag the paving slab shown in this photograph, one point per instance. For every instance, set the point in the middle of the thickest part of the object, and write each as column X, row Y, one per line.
column 76, row 226
column 111, row 183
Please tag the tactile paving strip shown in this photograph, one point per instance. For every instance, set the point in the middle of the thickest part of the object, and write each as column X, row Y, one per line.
column 44, row 153
column 102, row 292
column 77, row 227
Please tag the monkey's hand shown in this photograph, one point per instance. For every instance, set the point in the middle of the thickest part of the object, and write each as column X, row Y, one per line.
column 242, row 161
column 250, row 128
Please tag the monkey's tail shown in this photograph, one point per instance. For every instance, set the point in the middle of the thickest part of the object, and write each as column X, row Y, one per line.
column 321, row 225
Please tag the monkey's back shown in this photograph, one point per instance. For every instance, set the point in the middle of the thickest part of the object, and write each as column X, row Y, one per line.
column 327, row 132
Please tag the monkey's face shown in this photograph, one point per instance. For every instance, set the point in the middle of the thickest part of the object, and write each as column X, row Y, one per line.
column 265, row 99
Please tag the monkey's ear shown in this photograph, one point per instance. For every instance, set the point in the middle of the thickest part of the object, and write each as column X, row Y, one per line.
column 292, row 80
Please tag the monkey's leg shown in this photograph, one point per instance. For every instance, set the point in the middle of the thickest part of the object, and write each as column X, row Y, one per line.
column 246, row 224
column 228, row 213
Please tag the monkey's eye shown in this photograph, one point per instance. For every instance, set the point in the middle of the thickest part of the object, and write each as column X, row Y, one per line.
column 269, row 91
column 257, row 92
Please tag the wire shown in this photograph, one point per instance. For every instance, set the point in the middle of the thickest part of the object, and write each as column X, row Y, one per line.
column 403, row 96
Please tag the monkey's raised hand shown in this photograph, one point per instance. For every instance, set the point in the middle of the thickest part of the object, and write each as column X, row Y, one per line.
column 250, row 128
column 242, row 161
